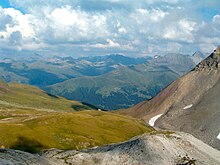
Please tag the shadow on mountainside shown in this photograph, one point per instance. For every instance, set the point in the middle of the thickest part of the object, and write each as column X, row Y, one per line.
column 27, row 145
column 52, row 96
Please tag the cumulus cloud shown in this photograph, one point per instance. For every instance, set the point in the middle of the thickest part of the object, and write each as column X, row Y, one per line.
column 181, row 31
column 109, row 44
column 68, row 24
column 101, row 26
column 113, row 45
column 153, row 15
column 16, row 29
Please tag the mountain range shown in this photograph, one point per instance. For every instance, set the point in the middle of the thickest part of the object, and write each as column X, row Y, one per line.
column 132, row 84
column 100, row 80
column 42, row 71
column 189, row 104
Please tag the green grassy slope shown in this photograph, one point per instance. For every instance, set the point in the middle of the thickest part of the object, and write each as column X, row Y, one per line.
column 32, row 132
column 32, row 120
column 25, row 96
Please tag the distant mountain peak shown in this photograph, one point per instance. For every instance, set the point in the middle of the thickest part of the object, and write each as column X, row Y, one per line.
column 197, row 57
column 212, row 62
column 198, row 53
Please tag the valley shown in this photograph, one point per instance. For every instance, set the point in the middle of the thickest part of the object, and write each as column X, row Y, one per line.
column 85, row 134
column 32, row 120
column 109, row 82
column 100, row 81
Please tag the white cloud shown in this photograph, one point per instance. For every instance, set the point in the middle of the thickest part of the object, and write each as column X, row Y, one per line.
column 66, row 24
column 109, row 44
column 58, row 25
column 182, row 31
column 186, row 25
column 154, row 15
column 170, row 33
column 113, row 45
column 23, row 22
column 102, row 26
column 65, row 16
column 121, row 29
column 157, row 15
column 18, row 29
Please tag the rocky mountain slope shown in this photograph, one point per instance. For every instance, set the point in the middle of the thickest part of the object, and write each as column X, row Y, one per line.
column 155, row 149
column 16, row 157
column 189, row 104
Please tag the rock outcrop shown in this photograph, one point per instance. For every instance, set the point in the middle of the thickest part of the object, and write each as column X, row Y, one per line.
column 211, row 62
column 15, row 157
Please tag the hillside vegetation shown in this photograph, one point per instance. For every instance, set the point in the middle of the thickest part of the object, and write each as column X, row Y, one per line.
column 31, row 120
column 25, row 96
column 130, row 84
column 125, row 86
column 32, row 132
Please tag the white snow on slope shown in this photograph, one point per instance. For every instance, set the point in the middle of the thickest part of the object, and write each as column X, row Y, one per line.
column 188, row 106
column 218, row 137
column 154, row 119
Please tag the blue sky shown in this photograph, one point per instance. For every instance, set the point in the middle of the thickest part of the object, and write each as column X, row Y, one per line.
column 99, row 27
column 4, row 3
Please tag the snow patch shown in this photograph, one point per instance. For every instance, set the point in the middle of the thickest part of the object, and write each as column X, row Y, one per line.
column 154, row 119
column 188, row 106
column 218, row 137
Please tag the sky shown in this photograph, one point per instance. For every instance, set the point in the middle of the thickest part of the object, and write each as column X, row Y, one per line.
column 98, row 27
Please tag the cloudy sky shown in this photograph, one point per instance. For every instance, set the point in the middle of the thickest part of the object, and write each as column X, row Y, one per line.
column 99, row 27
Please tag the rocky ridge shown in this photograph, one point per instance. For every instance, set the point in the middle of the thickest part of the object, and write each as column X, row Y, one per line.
column 15, row 157
column 210, row 63
column 153, row 149
column 189, row 104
